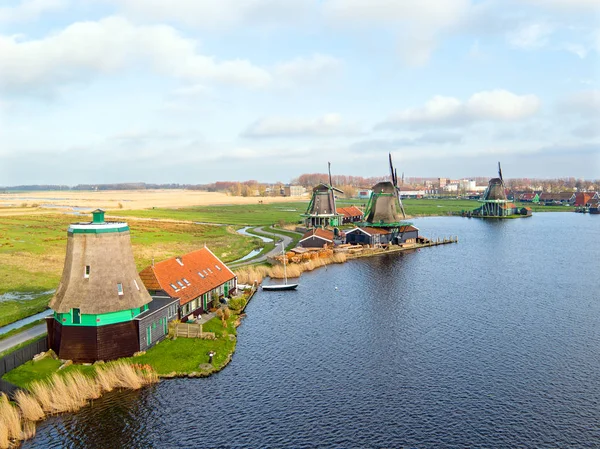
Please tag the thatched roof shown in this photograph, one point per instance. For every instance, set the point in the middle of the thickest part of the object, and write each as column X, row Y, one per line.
column 323, row 201
column 106, row 250
column 495, row 191
column 384, row 205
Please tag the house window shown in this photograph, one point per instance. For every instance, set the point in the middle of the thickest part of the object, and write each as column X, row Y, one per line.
column 179, row 261
column 120, row 289
column 86, row 272
column 218, row 267
column 201, row 275
column 186, row 281
column 174, row 287
column 136, row 284
column 205, row 273
column 180, row 284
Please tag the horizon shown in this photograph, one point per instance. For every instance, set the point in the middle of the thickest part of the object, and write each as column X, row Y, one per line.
column 100, row 91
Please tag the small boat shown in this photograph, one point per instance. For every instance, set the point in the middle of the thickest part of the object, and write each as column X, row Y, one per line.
column 285, row 285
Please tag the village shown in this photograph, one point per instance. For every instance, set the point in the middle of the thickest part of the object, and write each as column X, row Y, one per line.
column 105, row 310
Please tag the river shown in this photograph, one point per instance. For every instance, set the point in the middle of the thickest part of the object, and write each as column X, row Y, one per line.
column 491, row 342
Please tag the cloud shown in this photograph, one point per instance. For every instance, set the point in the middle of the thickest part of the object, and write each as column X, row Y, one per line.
column 494, row 105
column 531, row 36
column 568, row 5
column 217, row 14
column 584, row 103
column 307, row 69
column 327, row 125
column 587, row 131
column 386, row 145
column 85, row 49
column 30, row 10
column 417, row 24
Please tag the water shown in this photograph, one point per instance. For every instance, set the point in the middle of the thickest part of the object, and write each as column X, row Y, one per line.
column 24, row 321
column 244, row 231
column 22, row 296
column 491, row 342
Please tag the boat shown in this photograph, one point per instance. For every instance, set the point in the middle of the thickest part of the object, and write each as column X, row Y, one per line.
column 285, row 285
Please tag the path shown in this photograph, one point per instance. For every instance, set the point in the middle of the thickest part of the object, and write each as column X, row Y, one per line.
column 277, row 239
column 22, row 337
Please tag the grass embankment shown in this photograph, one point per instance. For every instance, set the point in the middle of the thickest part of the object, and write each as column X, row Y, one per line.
column 32, row 252
column 249, row 215
column 181, row 356
column 66, row 391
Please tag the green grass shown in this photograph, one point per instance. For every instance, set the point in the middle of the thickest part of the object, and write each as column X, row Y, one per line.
column 43, row 369
column 11, row 311
column 250, row 215
column 21, row 329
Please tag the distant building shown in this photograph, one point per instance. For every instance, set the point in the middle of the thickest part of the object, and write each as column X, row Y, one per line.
column 101, row 309
column 584, row 198
column 290, row 190
column 350, row 214
column 364, row 194
column 557, row 198
column 194, row 279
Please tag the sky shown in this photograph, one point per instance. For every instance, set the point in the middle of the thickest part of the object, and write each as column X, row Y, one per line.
column 196, row 91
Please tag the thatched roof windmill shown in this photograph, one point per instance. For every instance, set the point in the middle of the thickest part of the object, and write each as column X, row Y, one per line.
column 99, row 295
column 321, row 211
column 385, row 206
column 495, row 202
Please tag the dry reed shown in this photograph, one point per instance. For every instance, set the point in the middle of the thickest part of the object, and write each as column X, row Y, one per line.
column 296, row 269
column 9, row 418
column 4, row 441
column 28, row 431
column 30, row 407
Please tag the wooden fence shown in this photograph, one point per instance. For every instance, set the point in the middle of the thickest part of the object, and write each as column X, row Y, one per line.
column 18, row 358
column 192, row 331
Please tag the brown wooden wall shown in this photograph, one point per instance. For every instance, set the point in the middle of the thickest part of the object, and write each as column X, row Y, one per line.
column 88, row 344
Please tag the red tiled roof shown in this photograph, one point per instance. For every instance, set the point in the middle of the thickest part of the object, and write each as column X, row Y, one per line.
column 171, row 271
column 325, row 234
column 351, row 211
column 582, row 198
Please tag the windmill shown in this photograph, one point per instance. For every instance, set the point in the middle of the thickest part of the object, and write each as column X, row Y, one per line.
column 385, row 206
column 495, row 202
column 321, row 210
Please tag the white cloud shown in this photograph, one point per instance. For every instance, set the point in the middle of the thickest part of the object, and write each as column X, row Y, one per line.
column 531, row 36
column 585, row 103
column 327, row 125
column 576, row 49
column 84, row 49
column 569, row 5
column 494, row 105
column 418, row 24
column 307, row 69
column 29, row 10
column 216, row 14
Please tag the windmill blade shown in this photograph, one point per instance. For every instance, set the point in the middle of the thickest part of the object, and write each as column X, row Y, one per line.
column 400, row 202
column 392, row 170
column 500, row 173
column 395, row 177
column 329, row 170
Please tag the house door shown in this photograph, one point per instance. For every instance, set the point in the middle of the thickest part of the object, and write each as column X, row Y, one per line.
column 226, row 288
column 165, row 326
column 148, row 335
column 76, row 316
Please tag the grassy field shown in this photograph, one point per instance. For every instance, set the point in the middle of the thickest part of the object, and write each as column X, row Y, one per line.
column 181, row 356
column 241, row 215
column 32, row 251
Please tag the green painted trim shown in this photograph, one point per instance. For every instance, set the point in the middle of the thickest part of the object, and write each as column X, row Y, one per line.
column 98, row 231
column 101, row 319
